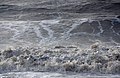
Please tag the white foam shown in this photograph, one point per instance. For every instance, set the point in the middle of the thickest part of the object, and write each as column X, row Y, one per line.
column 74, row 25
column 53, row 75
column 50, row 21
column 100, row 27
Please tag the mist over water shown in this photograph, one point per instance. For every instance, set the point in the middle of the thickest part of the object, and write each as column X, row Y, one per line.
column 60, row 29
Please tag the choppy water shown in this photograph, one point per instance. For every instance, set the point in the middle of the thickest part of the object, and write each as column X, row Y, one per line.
column 47, row 23
column 51, row 32
column 41, row 22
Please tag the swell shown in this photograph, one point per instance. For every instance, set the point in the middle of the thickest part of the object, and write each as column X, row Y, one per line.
column 42, row 10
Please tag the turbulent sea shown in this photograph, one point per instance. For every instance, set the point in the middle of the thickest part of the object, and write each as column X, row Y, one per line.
column 50, row 23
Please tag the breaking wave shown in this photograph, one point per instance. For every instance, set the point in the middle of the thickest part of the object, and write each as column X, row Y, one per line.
column 59, row 36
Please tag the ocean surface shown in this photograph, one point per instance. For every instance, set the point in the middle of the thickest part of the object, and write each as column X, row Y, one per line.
column 50, row 23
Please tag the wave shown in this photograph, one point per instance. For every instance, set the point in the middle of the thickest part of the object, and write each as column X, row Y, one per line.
column 96, row 59
column 50, row 9
column 63, row 34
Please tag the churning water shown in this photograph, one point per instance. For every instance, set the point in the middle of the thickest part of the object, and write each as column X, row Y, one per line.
column 65, row 24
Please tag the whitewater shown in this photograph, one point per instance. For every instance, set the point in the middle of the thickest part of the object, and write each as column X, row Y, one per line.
column 59, row 39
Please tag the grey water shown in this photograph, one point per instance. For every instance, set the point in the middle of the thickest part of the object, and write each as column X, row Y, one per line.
column 47, row 23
